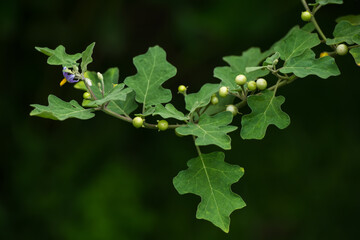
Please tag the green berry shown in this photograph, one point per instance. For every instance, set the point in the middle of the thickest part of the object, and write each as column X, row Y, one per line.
column 342, row 49
column 223, row 91
column 251, row 85
column 232, row 108
column 306, row 16
column 261, row 84
column 87, row 95
column 214, row 100
column 162, row 125
column 181, row 89
column 137, row 122
column 240, row 79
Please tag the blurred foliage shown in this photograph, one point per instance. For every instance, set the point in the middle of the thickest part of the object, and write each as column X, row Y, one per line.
column 299, row 183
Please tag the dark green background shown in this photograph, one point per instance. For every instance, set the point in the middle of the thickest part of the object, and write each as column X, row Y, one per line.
column 103, row 179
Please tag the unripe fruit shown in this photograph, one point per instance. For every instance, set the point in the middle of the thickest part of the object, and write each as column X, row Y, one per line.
column 138, row 122
column 223, row 91
column 251, row 86
column 162, row 125
column 181, row 89
column 233, row 109
column 87, row 95
column 214, row 100
column 342, row 49
column 306, row 16
column 324, row 54
column 240, row 79
column 261, row 84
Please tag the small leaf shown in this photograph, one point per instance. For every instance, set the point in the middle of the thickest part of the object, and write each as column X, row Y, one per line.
column 295, row 43
column 270, row 60
column 209, row 177
column 306, row 64
column 124, row 107
column 355, row 52
column 86, row 57
column 111, row 78
column 202, row 98
column 61, row 110
column 250, row 58
column 344, row 32
column 210, row 130
column 80, row 85
column 60, row 57
column 253, row 69
column 353, row 19
column 266, row 110
column 169, row 111
column 117, row 93
column 153, row 71
column 325, row 2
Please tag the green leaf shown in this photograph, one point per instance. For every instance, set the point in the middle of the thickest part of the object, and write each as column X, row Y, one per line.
column 202, row 98
column 306, row 64
column 210, row 130
column 169, row 111
column 60, row 57
column 221, row 106
column 270, row 60
column 153, row 71
column 117, row 93
column 209, row 177
column 61, row 110
column 266, row 110
column 47, row 51
column 111, row 77
column 355, row 52
column 80, row 85
column 250, row 58
column 353, row 19
column 86, row 57
column 325, row 2
column 124, row 107
column 344, row 32
column 295, row 43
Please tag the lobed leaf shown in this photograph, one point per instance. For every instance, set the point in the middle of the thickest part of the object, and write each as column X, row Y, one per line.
column 86, row 57
column 266, row 110
column 250, row 58
column 202, row 98
column 344, row 32
column 210, row 130
column 60, row 57
column 111, row 78
column 61, row 110
column 123, row 107
column 169, row 111
column 209, row 177
column 306, row 64
column 295, row 43
column 116, row 93
column 153, row 71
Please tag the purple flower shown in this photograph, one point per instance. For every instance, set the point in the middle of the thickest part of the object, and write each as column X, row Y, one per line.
column 69, row 77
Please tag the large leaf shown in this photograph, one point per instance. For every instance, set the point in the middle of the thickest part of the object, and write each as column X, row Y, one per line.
column 86, row 57
column 59, row 56
column 325, row 2
column 210, row 130
column 169, row 111
column 153, row 71
column 250, row 58
column 353, row 19
column 61, row 110
column 266, row 110
column 344, row 32
column 355, row 52
column 124, row 107
column 209, row 177
column 306, row 64
column 201, row 98
column 295, row 43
